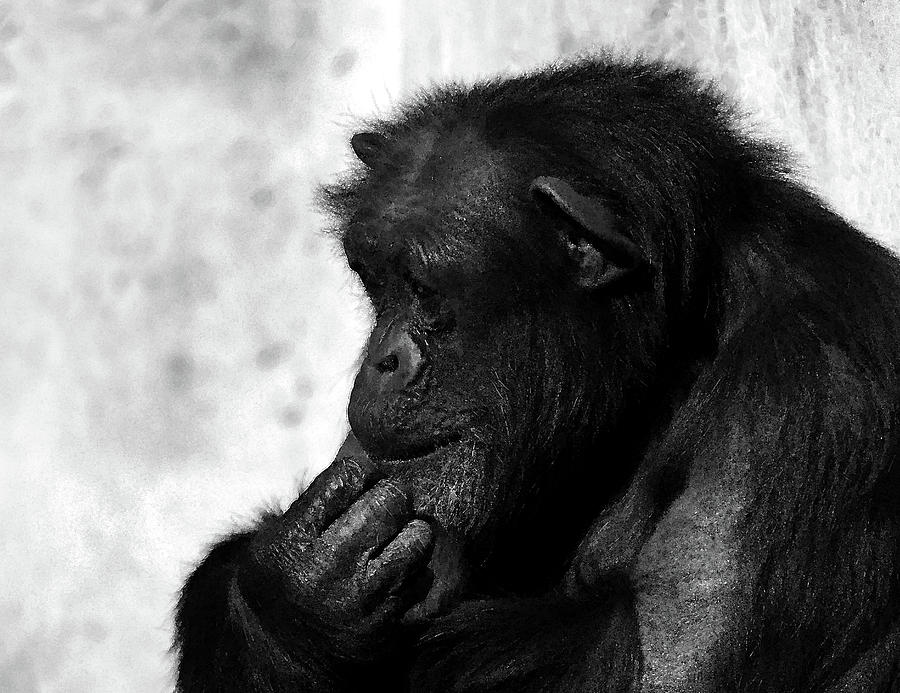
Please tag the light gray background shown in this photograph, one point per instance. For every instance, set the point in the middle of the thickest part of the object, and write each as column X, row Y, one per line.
column 177, row 338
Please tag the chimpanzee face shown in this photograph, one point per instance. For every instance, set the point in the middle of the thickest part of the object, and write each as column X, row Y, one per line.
column 482, row 280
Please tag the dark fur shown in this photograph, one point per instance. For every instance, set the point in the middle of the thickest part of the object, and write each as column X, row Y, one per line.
column 689, row 482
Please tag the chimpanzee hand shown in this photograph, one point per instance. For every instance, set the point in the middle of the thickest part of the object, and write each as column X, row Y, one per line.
column 341, row 564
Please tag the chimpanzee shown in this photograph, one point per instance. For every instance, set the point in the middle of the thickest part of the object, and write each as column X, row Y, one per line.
column 629, row 417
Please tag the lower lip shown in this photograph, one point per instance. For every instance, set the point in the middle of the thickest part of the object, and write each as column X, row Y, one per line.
column 436, row 455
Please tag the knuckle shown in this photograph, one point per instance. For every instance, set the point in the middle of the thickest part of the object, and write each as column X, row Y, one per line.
column 392, row 491
column 412, row 541
column 420, row 532
column 354, row 471
column 390, row 498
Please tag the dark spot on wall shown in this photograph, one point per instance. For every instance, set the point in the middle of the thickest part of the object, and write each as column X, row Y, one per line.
column 9, row 30
column 121, row 281
column 152, row 282
column 343, row 62
column 114, row 152
column 154, row 6
column 661, row 11
column 263, row 198
column 258, row 55
column 303, row 388
column 249, row 152
column 291, row 417
column 190, row 281
column 95, row 631
column 565, row 41
column 179, row 371
column 308, row 22
column 226, row 32
column 13, row 113
column 104, row 144
column 270, row 356
column 92, row 178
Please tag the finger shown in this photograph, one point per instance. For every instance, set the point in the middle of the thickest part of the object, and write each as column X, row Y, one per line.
column 405, row 597
column 331, row 493
column 372, row 521
column 407, row 553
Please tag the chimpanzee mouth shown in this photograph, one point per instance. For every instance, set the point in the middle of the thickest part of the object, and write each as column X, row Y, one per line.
column 432, row 451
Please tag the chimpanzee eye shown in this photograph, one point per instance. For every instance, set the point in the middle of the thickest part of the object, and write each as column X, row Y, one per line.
column 432, row 305
column 421, row 291
column 418, row 288
column 425, row 295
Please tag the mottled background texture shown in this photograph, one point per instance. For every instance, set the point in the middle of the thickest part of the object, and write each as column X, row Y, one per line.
column 177, row 336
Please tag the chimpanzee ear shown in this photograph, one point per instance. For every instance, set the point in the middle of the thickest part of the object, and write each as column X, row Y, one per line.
column 367, row 146
column 602, row 254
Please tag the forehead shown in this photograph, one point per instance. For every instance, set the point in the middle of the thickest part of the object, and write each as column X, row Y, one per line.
column 449, row 180
column 434, row 191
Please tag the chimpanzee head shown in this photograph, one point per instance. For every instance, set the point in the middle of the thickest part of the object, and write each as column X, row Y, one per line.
column 505, row 243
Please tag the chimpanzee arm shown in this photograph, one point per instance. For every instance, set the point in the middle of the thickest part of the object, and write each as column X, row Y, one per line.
column 310, row 600
column 878, row 669
column 546, row 644
column 222, row 644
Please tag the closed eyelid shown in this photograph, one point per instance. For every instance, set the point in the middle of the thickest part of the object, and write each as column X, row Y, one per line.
column 417, row 277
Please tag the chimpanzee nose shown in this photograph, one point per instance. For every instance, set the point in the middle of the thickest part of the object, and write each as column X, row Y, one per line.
column 381, row 392
column 395, row 358
column 388, row 364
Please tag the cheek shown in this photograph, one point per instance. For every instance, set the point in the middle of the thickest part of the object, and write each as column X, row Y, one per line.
column 495, row 347
column 461, row 381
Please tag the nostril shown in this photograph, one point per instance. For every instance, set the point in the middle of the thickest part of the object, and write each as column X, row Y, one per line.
column 388, row 364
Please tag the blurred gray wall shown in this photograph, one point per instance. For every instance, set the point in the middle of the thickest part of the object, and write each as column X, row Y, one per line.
column 177, row 338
